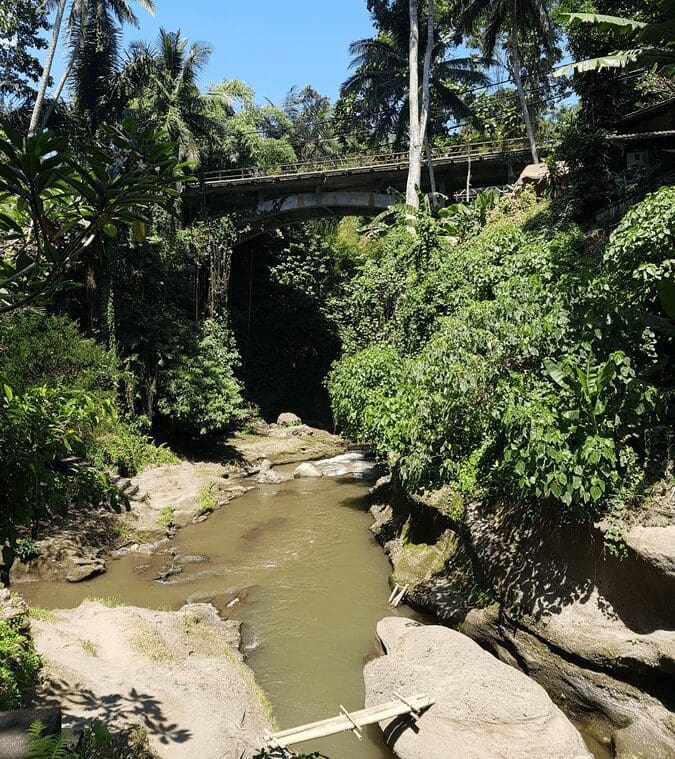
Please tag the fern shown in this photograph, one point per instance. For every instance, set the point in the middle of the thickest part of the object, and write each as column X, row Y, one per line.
column 48, row 746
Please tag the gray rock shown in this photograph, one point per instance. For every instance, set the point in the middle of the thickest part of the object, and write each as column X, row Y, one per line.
column 307, row 470
column 14, row 729
column 288, row 419
column 85, row 568
column 267, row 476
column 188, row 559
column 656, row 545
column 483, row 708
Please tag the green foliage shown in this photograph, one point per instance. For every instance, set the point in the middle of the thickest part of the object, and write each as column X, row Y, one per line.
column 207, row 501
column 39, row 349
column 165, row 519
column 516, row 365
column 94, row 742
column 43, row 466
column 122, row 446
column 19, row 663
column 570, row 446
column 201, row 393
column 363, row 390
column 69, row 201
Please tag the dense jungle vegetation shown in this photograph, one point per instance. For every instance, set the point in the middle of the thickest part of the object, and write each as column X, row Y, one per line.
column 508, row 348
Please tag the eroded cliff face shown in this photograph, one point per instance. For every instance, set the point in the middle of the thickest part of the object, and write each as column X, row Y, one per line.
column 596, row 630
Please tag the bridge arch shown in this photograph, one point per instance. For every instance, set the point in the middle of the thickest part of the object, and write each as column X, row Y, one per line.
column 283, row 211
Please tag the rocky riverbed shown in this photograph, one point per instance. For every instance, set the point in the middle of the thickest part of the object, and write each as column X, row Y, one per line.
column 595, row 628
column 166, row 498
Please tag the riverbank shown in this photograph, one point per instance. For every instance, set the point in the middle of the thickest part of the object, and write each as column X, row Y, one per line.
column 166, row 498
column 292, row 564
column 595, row 629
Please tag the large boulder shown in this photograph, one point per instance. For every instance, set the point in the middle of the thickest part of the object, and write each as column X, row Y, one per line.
column 287, row 419
column 177, row 674
column 483, row 708
column 307, row 469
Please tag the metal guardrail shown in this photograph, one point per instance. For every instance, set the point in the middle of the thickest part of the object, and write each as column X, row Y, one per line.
column 364, row 161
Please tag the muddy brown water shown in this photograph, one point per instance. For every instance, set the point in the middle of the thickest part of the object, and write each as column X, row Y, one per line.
column 298, row 566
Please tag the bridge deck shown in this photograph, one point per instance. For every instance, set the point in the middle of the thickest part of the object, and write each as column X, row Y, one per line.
column 249, row 178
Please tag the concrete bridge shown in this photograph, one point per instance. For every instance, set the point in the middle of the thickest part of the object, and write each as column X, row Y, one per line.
column 360, row 185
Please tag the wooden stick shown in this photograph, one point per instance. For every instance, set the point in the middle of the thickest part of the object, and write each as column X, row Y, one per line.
column 342, row 723
column 357, row 729
column 393, row 593
column 400, row 597
column 406, row 701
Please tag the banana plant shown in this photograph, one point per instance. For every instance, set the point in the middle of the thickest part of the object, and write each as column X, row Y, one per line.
column 652, row 44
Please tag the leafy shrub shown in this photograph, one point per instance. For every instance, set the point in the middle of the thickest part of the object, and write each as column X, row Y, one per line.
column 37, row 349
column 19, row 663
column 43, row 466
column 365, row 393
column 567, row 439
column 515, row 363
column 95, row 742
column 200, row 392
column 126, row 448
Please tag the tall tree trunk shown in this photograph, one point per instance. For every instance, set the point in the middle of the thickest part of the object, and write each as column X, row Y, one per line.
column 57, row 94
column 414, row 152
column 47, row 69
column 418, row 117
column 514, row 55
column 468, row 169
column 432, row 173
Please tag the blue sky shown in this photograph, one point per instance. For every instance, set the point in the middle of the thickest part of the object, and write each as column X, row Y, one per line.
column 270, row 44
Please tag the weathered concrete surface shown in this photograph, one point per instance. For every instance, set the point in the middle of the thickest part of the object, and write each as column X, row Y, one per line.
column 178, row 674
column 483, row 709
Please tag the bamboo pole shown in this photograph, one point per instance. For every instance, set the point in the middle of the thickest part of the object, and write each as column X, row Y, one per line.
column 353, row 721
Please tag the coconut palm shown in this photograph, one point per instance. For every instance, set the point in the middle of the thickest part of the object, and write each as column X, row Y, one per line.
column 380, row 80
column 171, row 96
column 516, row 19
column 93, row 23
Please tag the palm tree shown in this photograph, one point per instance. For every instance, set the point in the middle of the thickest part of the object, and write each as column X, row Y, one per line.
column 93, row 22
column 516, row 19
column 310, row 113
column 171, row 96
column 47, row 68
column 380, row 80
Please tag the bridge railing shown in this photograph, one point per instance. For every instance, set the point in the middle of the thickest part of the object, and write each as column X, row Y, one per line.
column 363, row 161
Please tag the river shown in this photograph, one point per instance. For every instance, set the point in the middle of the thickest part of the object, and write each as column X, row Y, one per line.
column 298, row 566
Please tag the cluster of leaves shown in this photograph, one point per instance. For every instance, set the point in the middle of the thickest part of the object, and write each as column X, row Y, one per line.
column 43, row 466
column 19, row 662
column 201, row 392
column 41, row 349
column 54, row 206
column 124, row 446
column 508, row 369
column 94, row 742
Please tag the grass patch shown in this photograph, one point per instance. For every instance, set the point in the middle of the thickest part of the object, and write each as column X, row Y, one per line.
column 19, row 664
column 44, row 615
column 166, row 517
column 112, row 602
column 89, row 647
column 207, row 501
column 149, row 643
